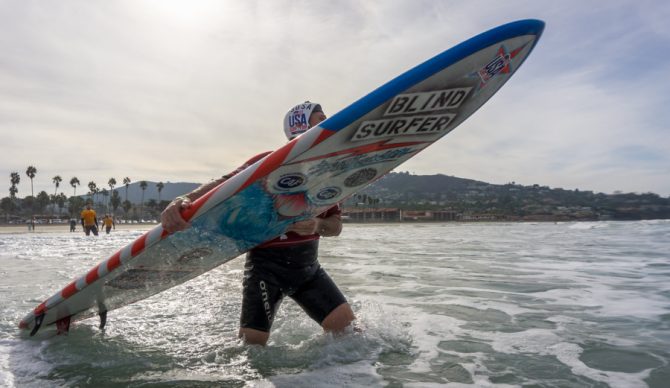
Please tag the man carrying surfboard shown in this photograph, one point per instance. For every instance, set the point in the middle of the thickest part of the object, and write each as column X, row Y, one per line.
column 287, row 265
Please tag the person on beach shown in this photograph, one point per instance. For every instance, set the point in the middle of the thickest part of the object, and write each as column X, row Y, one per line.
column 89, row 221
column 287, row 265
column 73, row 224
column 108, row 223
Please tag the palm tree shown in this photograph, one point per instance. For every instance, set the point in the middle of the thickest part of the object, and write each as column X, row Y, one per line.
column 112, row 183
column 15, row 178
column 56, row 180
column 93, row 190
column 74, row 182
column 11, row 205
column 95, row 195
column 115, row 201
column 42, row 201
column 126, row 181
column 60, row 201
column 143, row 186
column 126, row 207
column 105, row 194
column 31, row 171
column 159, row 187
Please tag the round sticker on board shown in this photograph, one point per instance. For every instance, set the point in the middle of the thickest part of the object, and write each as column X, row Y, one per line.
column 359, row 177
column 328, row 193
column 290, row 181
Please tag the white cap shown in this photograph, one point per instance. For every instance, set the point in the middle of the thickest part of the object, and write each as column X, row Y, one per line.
column 296, row 120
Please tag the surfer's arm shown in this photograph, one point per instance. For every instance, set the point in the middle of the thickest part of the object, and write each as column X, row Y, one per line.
column 326, row 227
column 171, row 218
column 330, row 226
column 202, row 190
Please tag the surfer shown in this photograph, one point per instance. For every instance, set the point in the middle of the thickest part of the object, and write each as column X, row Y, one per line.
column 89, row 221
column 108, row 223
column 287, row 265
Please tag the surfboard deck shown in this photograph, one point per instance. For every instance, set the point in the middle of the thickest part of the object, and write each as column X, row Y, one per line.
column 308, row 175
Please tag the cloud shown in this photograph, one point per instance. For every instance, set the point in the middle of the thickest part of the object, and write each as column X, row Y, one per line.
column 168, row 90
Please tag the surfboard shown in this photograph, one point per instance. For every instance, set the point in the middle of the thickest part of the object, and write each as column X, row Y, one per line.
column 303, row 178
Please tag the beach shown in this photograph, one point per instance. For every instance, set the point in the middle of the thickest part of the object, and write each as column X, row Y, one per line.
column 60, row 228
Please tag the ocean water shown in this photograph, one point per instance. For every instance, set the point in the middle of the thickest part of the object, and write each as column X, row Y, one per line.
column 438, row 305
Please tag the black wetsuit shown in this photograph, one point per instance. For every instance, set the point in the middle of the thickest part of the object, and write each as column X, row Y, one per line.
column 270, row 274
column 286, row 266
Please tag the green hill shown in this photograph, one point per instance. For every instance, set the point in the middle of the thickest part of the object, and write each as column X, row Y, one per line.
column 509, row 201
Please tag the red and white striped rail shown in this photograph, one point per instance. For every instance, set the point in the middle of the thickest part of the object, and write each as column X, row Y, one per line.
column 212, row 198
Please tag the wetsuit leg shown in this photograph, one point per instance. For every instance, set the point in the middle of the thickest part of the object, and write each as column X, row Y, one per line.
column 260, row 300
column 319, row 296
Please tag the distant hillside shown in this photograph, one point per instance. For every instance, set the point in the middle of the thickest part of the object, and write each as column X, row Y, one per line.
column 508, row 201
column 407, row 191
column 403, row 182
column 170, row 190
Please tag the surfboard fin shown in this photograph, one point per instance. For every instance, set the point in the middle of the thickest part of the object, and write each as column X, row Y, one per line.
column 63, row 325
column 103, row 319
column 38, row 323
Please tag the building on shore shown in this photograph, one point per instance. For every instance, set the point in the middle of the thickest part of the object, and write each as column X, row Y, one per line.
column 397, row 215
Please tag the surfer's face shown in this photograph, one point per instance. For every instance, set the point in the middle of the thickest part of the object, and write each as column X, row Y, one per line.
column 316, row 118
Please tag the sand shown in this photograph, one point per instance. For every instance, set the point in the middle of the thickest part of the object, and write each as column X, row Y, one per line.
column 60, row 228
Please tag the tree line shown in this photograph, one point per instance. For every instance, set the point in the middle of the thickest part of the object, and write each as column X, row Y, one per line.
column 102, row 199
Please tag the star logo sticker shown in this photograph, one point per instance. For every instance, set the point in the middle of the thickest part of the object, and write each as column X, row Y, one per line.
column 501, row 64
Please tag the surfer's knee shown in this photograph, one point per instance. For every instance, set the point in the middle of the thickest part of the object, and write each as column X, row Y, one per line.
column 253, row 336
column 338, row 319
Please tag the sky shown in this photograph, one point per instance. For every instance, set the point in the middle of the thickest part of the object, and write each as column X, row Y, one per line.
column 186, row 91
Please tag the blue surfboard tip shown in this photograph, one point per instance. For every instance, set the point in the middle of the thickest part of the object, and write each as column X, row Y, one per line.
column 377, row 97
column 529, row 26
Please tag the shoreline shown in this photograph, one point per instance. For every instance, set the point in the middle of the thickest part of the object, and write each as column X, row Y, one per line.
column 65, row 228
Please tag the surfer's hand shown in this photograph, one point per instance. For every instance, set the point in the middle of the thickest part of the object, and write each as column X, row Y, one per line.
column 305, row 228
column 171, row 218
